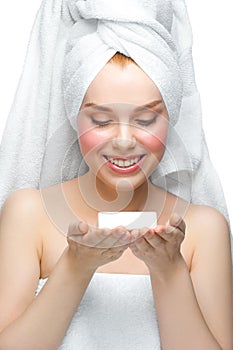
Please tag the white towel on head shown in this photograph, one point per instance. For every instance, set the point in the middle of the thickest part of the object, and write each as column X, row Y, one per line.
column 70, row 42
column 113, row 29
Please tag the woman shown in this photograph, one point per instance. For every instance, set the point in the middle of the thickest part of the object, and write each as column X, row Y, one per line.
column 185, row 262
column 188, row 259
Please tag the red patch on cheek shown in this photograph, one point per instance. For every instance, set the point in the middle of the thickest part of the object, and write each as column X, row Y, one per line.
column 155, row 143
column 89, row 141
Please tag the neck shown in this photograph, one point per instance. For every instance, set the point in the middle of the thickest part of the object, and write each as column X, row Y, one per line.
column 100, row 197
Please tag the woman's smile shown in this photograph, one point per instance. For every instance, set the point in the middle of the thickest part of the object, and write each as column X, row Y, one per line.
column 124, row 165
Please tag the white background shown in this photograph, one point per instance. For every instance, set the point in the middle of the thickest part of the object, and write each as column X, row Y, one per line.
column 213, row 59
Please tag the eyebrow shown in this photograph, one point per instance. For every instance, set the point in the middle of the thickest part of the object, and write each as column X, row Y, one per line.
column 138, row 109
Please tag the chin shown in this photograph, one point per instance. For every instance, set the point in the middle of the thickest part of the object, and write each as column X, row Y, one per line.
column 123, row 184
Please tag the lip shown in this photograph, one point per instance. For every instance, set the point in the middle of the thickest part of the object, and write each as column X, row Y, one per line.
column 128, row 170
column 124, row 158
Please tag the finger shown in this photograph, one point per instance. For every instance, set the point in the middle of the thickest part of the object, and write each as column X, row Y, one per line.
column 142, row 244
column 177, row 221
column 94, row 236
column 77, row 229
column 84, row 234
column 116, row 237
column 104, row 237
column 136, row 234
column 83, row 227
column 155, row 238
column 171, row 234
column 113, row 252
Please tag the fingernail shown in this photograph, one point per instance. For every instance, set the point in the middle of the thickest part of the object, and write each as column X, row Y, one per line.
column 149, row 233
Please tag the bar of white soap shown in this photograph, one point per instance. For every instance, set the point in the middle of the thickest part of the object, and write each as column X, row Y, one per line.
column 128, row 219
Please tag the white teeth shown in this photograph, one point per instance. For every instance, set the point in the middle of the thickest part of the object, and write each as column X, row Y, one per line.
column 127, row 163
column 124, row 163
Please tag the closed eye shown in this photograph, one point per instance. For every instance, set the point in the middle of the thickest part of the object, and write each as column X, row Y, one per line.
column 101, row 122
column 147, row 122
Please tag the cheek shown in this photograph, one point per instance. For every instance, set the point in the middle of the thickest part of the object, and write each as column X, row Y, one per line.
column 155, row 143
column 89, row 141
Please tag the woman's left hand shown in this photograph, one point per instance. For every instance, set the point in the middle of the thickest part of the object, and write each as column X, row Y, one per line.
column 159, row 248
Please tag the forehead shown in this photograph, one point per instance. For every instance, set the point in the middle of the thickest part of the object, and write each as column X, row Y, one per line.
column 114, row 84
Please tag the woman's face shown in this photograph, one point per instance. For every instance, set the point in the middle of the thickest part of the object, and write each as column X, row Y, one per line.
column 122, row 125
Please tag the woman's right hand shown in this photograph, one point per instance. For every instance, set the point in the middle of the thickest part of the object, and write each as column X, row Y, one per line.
column 92, row 247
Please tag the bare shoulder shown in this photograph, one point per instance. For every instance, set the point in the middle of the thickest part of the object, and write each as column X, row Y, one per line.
column 203, row 219
column 23, row 209
column 24, row 201
column 209, row 233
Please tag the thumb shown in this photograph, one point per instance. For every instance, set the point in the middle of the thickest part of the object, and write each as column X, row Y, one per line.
column 83, row 227
column 77, row 228
column 177, row 221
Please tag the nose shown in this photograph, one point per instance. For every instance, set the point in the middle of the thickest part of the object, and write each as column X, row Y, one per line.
column 125, row 139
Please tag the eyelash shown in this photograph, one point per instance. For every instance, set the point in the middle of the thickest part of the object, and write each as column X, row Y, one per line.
column 140, row 122
column 98, row 123
column 147, row 122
